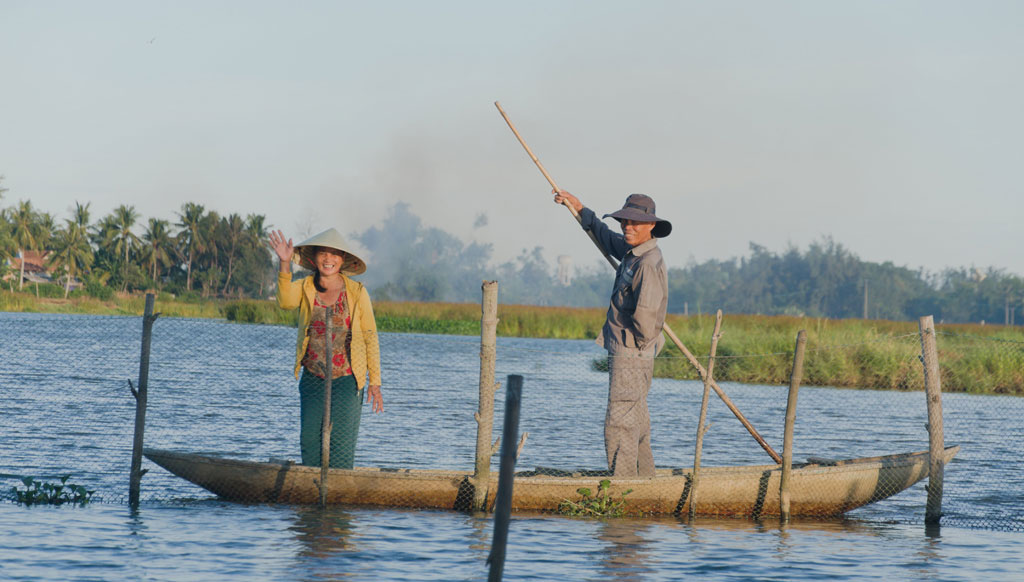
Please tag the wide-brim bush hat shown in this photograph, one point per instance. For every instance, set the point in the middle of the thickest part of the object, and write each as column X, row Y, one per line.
column 640, row 207
column 332, row 239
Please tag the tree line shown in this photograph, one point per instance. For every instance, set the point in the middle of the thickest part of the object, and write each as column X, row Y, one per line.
column 199, row 252
column 203, row 253
column 417, row 263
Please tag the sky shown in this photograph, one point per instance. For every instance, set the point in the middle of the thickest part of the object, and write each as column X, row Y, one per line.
column 894, row 127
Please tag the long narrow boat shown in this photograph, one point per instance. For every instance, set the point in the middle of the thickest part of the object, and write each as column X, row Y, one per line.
column 821, row 488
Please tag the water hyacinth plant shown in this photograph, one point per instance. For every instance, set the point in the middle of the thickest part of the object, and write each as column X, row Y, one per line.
column 44, row 493
column 600, row 505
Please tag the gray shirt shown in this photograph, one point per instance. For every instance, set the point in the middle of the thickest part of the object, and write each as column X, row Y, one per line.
column 639, row 299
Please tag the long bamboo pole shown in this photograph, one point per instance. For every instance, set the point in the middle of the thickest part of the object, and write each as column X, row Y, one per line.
column 701, row 428
column 665, row 328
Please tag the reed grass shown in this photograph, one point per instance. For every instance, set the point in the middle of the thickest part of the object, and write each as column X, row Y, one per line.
column 758, row 349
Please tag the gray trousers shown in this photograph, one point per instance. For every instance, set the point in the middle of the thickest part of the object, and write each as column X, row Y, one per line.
column 627, row 424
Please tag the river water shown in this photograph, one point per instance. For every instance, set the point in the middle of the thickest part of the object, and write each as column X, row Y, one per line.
column 223, row 388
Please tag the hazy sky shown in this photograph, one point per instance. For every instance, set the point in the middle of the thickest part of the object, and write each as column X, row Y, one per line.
column 896, row 127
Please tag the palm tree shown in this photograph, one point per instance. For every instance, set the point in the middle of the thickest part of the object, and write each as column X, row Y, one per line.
column 7, row 247
column 191, row 236
column 233, row 234
column 47, row 229
column 158, row 245
column 120, row 239
column 256, row 228
column 105, row 258
column 25, row 231
column 256, row 235
column 80, row 216
column 71, row 250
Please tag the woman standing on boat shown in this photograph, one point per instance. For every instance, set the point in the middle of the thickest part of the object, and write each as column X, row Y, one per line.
column 356, row 353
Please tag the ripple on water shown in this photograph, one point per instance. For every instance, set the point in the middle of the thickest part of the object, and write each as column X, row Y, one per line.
column 253, row 415
column 224, row 541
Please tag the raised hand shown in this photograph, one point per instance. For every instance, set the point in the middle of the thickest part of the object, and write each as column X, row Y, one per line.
column 563, row 197
column 282, row 246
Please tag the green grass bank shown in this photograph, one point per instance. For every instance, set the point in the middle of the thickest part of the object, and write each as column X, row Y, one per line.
column 851, row 353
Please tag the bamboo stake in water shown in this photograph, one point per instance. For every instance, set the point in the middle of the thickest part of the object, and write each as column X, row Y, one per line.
column 485, row 412
column 325, row 434
column 665, row 328
column 701, row 429
column 787, row 440
column 936, row 444
column 506, row 474
column 141, row 396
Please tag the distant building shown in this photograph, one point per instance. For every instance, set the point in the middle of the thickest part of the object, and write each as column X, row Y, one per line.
column 35, row 267
column 564, row 270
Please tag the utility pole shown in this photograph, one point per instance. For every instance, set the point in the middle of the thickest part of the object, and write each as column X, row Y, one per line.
column 865, row 298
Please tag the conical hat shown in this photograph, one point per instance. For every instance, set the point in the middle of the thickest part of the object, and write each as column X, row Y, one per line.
column 331, row 239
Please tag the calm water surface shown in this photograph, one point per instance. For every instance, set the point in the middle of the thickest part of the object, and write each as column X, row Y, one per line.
column 227, row 388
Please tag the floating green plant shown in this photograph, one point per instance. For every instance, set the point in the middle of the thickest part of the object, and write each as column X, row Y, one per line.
column 44, row 493
column 600, row 505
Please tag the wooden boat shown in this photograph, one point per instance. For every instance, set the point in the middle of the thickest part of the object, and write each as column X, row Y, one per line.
column 821, row 488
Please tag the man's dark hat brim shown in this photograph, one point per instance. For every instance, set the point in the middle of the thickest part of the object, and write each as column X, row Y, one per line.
column 642, row 213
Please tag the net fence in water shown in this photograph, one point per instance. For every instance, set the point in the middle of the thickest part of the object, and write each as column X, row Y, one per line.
column 224, row 418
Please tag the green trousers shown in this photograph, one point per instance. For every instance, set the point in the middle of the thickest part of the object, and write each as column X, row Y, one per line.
column 346, row 409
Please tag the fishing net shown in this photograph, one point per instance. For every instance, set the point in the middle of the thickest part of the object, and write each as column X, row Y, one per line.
column 224, row 420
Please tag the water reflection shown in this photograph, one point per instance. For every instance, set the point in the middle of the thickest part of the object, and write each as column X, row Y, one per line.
column 930, row 553
column 481, row 527
column 323, row 532
column 627, row 553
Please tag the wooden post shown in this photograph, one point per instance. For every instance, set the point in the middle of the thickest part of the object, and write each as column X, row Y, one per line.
column 141, row 396
column 787, row 440
column 485, row 412
column 933, row 393
column 325, row 429
column 701, row 429
column 506, row 473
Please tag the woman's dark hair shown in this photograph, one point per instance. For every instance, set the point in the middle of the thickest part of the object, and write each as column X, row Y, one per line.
column 316, row 272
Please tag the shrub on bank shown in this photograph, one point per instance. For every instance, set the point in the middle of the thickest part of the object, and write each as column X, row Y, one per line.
column 255, row 311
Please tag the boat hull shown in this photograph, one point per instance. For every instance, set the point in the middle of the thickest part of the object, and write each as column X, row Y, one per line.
column 818, row 490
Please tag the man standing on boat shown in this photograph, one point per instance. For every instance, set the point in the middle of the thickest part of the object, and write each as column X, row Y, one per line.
column 632, row 330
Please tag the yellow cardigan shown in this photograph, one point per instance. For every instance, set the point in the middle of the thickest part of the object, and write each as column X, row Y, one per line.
column 365, row 356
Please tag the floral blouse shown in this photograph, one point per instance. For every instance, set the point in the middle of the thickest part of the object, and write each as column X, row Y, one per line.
column 341, row 339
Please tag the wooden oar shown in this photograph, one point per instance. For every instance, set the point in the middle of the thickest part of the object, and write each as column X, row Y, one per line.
column 668, row 331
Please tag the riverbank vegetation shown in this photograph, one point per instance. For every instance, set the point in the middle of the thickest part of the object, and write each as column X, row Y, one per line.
column 200, row 253
column 753, row 349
